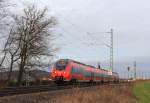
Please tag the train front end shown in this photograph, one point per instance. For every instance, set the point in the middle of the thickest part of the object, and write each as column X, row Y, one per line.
column 60, row 71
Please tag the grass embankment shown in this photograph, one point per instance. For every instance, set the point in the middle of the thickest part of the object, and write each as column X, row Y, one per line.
column 138, row 92
column 142, row 91
column 102, row 94
column 118, row 94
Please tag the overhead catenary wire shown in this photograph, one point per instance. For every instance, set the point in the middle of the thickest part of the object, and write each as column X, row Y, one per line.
column 91, row 39
column 93, row 42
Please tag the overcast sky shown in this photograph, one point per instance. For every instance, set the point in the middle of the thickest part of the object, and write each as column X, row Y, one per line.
column 82, row 24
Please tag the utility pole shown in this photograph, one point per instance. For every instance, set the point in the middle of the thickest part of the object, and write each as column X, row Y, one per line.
column 111, row 51
column 128, row 68
column 111, row 46
column 99, row 65
column 135, row 70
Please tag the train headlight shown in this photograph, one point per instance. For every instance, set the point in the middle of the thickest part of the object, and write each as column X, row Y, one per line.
column 55, row 72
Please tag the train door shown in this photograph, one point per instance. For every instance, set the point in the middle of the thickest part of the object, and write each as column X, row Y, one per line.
column 92, row 76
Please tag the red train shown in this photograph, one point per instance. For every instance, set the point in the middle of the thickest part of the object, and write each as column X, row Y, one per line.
column 73, row 71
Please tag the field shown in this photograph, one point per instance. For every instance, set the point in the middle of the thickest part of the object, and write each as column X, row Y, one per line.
column 101, row 95
column 142, row 91
column 138, row 92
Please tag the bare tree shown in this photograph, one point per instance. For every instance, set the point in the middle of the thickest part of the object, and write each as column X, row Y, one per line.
column 4, row 13
column 29, row 41
column 2, row 16
column 34, row 30
column 11, row 50
column 2, row 10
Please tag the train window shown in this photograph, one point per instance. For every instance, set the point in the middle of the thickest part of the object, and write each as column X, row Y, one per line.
column 86, row 73
column 61, row 65
column 77, row 70
column 74, row 70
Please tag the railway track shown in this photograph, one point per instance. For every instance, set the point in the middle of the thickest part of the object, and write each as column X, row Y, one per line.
column 10, row 91
column 31, row 89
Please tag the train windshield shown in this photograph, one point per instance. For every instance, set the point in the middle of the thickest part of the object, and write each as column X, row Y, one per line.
column 61, row 65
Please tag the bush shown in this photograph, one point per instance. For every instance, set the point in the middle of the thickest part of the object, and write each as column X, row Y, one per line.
column 12, row 83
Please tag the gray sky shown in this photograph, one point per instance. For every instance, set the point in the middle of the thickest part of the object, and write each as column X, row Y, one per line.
column 128, row 18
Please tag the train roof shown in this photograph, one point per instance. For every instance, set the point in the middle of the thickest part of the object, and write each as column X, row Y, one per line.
column 70, row 60
column 82, row 63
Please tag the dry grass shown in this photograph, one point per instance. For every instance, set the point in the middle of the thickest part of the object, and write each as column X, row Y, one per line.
column 100, row 95
column 107, row 94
